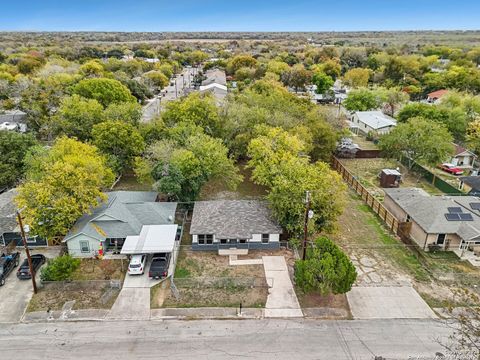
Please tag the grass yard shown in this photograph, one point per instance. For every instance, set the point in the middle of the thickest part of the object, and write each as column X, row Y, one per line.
column 205, row 279
column 363, row 142
column 368, row 170
column 129, row 182
column 216, row 190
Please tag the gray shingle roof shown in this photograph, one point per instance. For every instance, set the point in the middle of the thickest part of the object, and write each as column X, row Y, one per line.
column 124, row 214
column 233, row 219
column 429, row 211
column 8, row 222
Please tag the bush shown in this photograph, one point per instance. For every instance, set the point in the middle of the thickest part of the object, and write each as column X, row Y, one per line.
column 327, row 269
column 60, row 268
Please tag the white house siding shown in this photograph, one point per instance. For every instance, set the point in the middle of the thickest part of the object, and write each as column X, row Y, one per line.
column 74, row 249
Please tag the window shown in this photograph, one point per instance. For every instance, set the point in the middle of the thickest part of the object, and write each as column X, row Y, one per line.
column 223, row 241
column 408, row 218
column 84, row 247
column 265, row 238
column 242, row 241
column 205, row 239
column 233, row 241
column 441, row 239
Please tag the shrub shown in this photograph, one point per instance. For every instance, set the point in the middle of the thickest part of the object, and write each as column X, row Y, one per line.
column 60, row 268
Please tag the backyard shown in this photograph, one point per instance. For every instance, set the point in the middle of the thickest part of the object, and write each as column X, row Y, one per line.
column 90, row 287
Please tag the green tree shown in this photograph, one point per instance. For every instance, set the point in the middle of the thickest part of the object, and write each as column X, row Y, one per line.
column 322, row 81
column 419, row 140
column 157, row 78
column 60, row 268
column 13, row 148
column 128, row 112
column 76, row 117
column 240, row 61
column 63, row 182
column 196, row 109
column 327, row 269
column 119, row 140
column 357, row 77
column 362, row 100
column 105, row 91
column 296, row 77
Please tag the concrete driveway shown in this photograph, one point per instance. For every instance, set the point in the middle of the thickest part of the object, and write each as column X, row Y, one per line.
column 14, row 297
column 388, row 302
column 282, row 300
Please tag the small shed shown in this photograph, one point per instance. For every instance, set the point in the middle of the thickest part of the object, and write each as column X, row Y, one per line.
column 390, row 178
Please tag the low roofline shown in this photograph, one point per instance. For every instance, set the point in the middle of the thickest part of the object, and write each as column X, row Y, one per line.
column 68, row 238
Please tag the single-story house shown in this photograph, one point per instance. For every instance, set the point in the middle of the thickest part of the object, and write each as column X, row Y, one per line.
column 463, row 158
column 436, row 96
column 9, row 229
column 451, row 223
column 215, row 76
column 219, row 91
column 373, row 121
column 124, row 214
column 224, row 224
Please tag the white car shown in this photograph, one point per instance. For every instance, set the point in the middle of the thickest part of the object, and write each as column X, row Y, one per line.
column 137, row 264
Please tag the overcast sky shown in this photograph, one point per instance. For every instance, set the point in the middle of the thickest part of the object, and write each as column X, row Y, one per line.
column 241, row 15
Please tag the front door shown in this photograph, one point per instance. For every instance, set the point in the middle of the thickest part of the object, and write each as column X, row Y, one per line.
column 233, row 241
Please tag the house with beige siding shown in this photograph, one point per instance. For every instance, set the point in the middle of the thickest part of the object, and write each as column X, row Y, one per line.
column 448, row 222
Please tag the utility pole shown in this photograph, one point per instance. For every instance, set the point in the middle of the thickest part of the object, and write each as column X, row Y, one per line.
column 24, row 238
column 305, row 225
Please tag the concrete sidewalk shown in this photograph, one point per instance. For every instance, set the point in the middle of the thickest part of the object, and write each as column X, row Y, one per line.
column 388, row 302
column 206, row 313
column 282, row 300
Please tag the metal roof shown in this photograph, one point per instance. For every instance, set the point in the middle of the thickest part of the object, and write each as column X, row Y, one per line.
column 152, row 239
column 375, row 119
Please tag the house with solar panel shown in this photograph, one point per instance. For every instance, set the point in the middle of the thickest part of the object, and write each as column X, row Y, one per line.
column 444, row 222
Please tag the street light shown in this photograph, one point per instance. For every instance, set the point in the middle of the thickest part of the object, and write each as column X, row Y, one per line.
column 27, row 251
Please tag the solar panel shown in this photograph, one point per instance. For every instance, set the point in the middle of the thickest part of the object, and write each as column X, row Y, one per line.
column 452, row 217
column 466, row 217
column 453, row 210
column 475, row 205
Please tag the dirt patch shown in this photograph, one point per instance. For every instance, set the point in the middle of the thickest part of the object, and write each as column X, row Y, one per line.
column 315, row 300
column 158, row 293
column 368, row 171
column 129, row 182
column 86, row 296
column 95, row 269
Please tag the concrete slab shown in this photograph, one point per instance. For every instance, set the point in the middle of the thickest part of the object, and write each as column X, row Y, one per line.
column 282, row 300
column 131, row 304
column 394, row 302
column 233, row 260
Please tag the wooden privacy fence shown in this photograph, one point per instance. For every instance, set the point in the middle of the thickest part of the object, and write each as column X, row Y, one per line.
column 377, row 207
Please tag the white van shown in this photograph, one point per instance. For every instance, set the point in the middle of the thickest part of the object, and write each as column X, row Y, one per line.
column 137, row 264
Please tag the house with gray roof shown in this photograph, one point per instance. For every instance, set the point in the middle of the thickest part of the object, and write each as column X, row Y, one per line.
column 373, row 121
column 123, row 214
column 449, row 222
column 225, row 224
column 9, row 229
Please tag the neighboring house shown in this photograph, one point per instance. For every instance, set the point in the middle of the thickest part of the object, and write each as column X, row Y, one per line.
column 451, row 223
column 215, row 76
column 372, row 121
column 9, row 229
column 463, row 157
column 470, row 184
column 224, row 224
column 123, row 214
column 13, row 120
column 219, row 91
column 436, row 96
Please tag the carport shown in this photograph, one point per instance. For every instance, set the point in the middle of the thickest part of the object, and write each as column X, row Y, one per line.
column 152, row 239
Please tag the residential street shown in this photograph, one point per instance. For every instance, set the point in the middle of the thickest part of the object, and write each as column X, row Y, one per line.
column 263, row 339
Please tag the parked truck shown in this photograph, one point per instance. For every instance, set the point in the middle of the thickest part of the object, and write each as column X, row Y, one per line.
column 159, row 266
column 8, row 262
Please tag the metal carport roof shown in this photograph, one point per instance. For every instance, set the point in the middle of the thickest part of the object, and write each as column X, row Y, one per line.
column 152, row 239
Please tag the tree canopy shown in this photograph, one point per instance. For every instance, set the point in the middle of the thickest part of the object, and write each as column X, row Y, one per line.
column 105, row 91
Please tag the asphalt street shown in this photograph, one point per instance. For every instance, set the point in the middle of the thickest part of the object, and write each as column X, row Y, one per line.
column 217, row 339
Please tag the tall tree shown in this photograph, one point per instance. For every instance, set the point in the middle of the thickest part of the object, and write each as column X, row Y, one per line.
column 419, row 140
column 63, row 183
column 119, row 140
column 362, row 100
column 322, row 81
column 357, row 77
column 105, row 91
